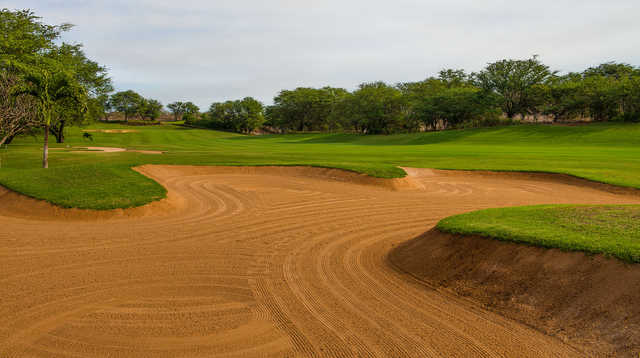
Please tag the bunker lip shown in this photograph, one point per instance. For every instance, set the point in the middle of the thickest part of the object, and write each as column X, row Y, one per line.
column 587, row 300
column 266, row 261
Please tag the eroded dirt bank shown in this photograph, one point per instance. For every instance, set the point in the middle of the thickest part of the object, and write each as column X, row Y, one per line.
column 244, row 262
column 589, row 301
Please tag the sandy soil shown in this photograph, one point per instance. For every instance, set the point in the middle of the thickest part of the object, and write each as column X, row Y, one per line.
column 115, row 150
column 244, row 262
column 110, row 130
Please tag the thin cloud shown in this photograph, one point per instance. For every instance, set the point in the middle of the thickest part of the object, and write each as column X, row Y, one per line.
column 208, row 51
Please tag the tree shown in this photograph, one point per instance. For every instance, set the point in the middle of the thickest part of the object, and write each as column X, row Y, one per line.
column 454, row 78
column 610, row 91
column 376, row 108
column 602, row 96
column 612, row 69
column 514, row 81
column 190, row 112
column 23, row 36
column 454, row 106
column 306, row 109
column 58, row 80
column 416, row 93
column 251, row 115
column 630, row 96
column 91, row 76
column 48, row 83
column 151, row 109
column 99, row 107
column 242, row 116
column 128, row 102
column 177, row 108
column 17, row 113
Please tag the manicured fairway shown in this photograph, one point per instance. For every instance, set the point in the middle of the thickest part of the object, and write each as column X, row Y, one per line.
column 603, row 152
column 610, row 230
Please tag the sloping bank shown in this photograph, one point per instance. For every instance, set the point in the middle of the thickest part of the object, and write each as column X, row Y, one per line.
column 591, row 301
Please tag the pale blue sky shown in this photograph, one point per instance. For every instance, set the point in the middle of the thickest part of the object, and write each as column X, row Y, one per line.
column 208, row 51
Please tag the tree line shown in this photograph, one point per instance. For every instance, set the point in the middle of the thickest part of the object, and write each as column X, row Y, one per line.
column 504, row 91
column 47, row 85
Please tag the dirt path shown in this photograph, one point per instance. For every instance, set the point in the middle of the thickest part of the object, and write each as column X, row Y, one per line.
column 257, row 262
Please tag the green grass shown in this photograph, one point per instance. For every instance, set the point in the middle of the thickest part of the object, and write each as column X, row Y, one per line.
column 603, row 229
column 603, row 152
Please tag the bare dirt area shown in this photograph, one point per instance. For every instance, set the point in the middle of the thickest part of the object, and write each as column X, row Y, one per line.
column 244, row 262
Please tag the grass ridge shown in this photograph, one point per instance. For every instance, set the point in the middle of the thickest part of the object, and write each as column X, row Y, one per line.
column 611, row 230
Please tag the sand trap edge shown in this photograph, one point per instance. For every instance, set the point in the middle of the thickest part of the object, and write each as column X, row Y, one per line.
column 589, row 301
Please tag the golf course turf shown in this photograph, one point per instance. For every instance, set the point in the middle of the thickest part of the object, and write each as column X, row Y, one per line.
column 608, row 153
column 601, row 229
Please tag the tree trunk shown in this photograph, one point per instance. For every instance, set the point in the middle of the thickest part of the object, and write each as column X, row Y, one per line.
column 59, row 133
column 3, row 140
column 8, row 139
column 45, row 151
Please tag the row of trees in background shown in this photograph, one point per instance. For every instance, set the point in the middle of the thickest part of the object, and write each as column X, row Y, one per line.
column 47, row 85
column 503, row 91
column 131, row 104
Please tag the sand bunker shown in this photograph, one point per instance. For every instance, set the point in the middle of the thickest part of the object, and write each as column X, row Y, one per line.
column 114, row 150
column 266, row 262
column 110, row 130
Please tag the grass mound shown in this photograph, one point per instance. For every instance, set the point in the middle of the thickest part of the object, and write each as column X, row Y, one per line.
column 612, row 230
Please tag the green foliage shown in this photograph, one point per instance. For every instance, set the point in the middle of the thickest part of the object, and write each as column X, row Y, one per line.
column 92, row 76
column 29, row 46
column 177, row 109
column 128, row 102
column 375, row 108
column 612, row 69
column 601, row 229
column 306, row 109
column 610, row 91
column 186, row 111
column 190, row 112
column 456, row 99
column 515, row 82
column 242, row 116
column 564, row 98
column 454, row 78
column 630, row 98
column 49, row 83
column 23, row 37
column 151, row 109
column 453, row 106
